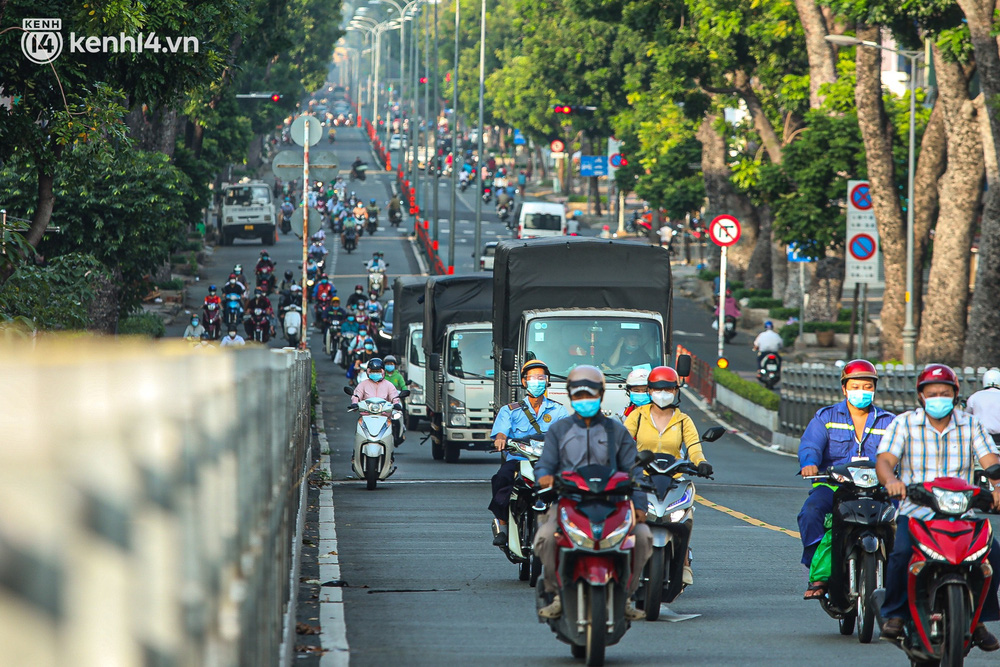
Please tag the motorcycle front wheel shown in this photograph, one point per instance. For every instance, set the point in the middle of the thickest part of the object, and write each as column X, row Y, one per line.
column 371, row 472
column 597, row 626
column 956, row 624
column 868, row 580
column 654, row 584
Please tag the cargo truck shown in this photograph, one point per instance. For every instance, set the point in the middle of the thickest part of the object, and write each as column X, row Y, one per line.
column 407, row 342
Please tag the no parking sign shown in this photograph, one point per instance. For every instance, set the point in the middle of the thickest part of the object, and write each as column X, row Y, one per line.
column 863, row 265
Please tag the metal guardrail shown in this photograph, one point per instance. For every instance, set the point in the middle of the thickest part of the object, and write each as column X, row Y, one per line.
column 149, row 497
column 805, row 388
column 701, row 379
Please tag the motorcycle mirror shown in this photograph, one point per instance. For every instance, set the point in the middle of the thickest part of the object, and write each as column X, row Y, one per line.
column 993, row 472
column 404, row 393
column 645, row 457
column 348, row 391
column 683, row 365
column 714, row 433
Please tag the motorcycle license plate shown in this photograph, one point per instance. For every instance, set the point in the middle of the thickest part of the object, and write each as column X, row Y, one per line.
column 248, row 227
column 771, row 367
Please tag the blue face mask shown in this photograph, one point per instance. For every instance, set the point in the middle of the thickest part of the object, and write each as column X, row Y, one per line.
column 369, row 347
column 350, row 319
column 376, row 377
column 586, row 407
column 389, row 368
column 860, row 398
column 639, row 397
column 194, row 323
column 938, row 407
column 536, row 387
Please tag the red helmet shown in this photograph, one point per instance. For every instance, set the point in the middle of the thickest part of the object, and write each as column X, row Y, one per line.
column 938, row 374
column 663, row 377
column 859, row 369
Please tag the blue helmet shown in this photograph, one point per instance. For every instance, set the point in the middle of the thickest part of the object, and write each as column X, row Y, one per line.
column 769, row 325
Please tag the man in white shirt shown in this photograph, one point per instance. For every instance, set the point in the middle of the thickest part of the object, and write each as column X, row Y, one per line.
column 985, row 403
column 767, row 340
column 232, row 339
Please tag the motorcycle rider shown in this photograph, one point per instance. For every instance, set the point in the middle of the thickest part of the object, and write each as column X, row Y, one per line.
column 377, row 386
column 336, row 312
column 376, row 262
column 372, row 210
column 212, row 297
column 234, row 286
column 317, row 249
column 636, row 384
column 395, row 207
column 360, row 213
column 324, row 289
column 361, row 354
column 732, row 309
column 287, row 208
column 503, row 200
column 583, row 438
column 358, row 298
column 837, row 434
column 261, row 301
column 354, row 167
column 914, row 442
column 392, row 373
column 532, row 415
column 238, row 270
column 373, row 306
column 985, row 404
column 662, row 428
column 767, row 341
column 232, row 338
column 194, row 330
column 287, row 281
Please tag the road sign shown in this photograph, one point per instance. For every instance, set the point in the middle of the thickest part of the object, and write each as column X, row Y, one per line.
column 299, row 130
column 724, row 230
column 616, row 160
column 315, row 221
column 287, row 165
column 614, row 148
column 794, row 253
column 593, row 165
column 557, row 146
column 519, row 139
column 862, row 261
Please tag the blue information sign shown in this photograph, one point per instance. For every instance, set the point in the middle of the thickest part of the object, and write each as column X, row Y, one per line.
column 794, row 254
column 519, row 139
column 593, row 165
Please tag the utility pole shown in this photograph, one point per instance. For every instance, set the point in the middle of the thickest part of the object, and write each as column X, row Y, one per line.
column 454, row 144
column 454, row 165
column 427, row 97
column 437, row 107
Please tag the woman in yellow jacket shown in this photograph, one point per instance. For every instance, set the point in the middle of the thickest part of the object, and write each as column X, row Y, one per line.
column 662, row 428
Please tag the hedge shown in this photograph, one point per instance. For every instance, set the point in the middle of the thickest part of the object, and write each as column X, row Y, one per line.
column 142, row 324
column 174, row 284
column 750, row 293
column 778, row 313
column 763, row 302
column 751, row 391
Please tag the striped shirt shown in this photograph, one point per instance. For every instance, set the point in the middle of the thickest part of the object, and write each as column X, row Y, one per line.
column 924, row 454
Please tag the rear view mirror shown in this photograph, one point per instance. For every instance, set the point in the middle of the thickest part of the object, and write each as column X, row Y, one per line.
column 507, row 359
column 713, row 434
column 434, row 362
column 645, row 457
column 683, row 365
column 349, row 391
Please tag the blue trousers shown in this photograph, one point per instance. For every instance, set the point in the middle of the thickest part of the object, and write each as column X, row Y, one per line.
column 811, row 518
column 895, row 605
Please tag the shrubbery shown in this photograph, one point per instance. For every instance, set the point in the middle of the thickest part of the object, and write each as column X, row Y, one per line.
column 753, row 392
column 142, row 324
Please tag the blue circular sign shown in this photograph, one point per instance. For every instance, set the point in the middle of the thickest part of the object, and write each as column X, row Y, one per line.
column 861, row 196
column 861, row 247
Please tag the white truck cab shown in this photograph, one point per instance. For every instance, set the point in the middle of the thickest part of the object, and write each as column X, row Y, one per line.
column 247, row 212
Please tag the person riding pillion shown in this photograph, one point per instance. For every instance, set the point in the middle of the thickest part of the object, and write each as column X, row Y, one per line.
column 532, row 415
column 392, row 373
column 837, row 434
column 985, row 404
column 584, row 438
column 638, row 391
column 662, row 428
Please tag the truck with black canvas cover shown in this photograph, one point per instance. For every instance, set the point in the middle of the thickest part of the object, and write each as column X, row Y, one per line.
column 457, row 340
column 407, row 342
column 572, row 301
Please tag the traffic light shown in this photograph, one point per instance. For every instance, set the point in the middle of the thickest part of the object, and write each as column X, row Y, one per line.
column 722, row 363
column 275, row 97
column 423, row 79
column 562, row 108
column 447, row 77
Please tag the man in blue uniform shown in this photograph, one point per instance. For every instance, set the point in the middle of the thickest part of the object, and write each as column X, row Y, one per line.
column 532, row 415
column 839, row 433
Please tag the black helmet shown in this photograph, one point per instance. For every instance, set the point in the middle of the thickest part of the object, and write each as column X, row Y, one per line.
column 288, row 275
column 390, row 359
column 375, row 365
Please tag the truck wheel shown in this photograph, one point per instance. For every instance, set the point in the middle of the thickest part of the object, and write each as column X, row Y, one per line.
column 412, row 422
column 227, row 240
column 437, row 449
column 267, row 238
column 452, row 450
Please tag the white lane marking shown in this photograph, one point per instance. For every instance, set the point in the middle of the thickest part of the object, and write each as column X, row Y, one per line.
column 696, row 334
column 333, row 629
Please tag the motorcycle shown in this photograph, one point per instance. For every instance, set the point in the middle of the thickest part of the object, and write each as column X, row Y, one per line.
column 525, row 510
column 594, row 558
column 730, row 331
column 234, row 311
column 374, row 445
column 337, row 222
column 395, row 217
column 331, row 339
column 864, row 529
column 372, row 224
column 358, row 173
column 487, row 195
column 376, row 280
column 769, row 369
column 323, row 314
column 359, row 224
column 669, row 515
column 503, row 213
column 350, row 240
column 286, row 221
column 260, row 327
column 292, row 324
column 463, row 182
column 265, row 279
column 212, row 317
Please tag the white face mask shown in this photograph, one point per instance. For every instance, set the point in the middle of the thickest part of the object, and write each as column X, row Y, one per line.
column 662, row 399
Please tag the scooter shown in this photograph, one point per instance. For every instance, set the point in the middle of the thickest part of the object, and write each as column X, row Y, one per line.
column 487, row 195
column 503, row 213
column 358, row 172
column 350, row 240
column 525, row 510
column 292, row 323
column 260, row 327
column 948, row 576
column 594, row 558
column 376, row 280
column 265, row 279
column 286, row 222
column 769, row 369
column 864, row 529
column 670, row 516
column 234, row 311
column 212, row 317
column 372, row 224
column 373, row 441
column 395, row 217
column 331, row 339
column 730, row 332
column 359, row 224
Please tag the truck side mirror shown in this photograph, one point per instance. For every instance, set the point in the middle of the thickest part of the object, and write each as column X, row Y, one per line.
column 434, row 362
column 683, row 365
column 507, row 359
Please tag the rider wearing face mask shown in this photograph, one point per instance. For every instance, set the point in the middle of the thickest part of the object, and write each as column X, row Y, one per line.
column 392, row 373
column 638, row 391
column 837, row 434
column 532, row 415
column 662, row 428
column 357, row 298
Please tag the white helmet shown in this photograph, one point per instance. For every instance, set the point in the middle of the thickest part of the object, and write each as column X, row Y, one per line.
column 991, row 378
column 637, row 378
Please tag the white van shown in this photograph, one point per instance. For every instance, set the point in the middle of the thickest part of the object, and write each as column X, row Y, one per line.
column 536, row 219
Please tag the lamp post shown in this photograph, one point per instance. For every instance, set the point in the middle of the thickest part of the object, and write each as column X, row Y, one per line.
column 478, row 238
column 454, row 143
column 909, row 330
column 437, row 107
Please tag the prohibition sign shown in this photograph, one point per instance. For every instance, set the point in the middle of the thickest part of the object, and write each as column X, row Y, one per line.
column 861, row 247
column 724, row 230
column 861, row 197
column 557, row 146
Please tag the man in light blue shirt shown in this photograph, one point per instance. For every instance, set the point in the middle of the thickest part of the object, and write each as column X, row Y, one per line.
column 532, row 415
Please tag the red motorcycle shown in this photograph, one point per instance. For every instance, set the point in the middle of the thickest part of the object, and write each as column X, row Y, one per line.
column 265, row 279
column 948, row 575
column 212, row 317
column 594, row 558
column 260, row 326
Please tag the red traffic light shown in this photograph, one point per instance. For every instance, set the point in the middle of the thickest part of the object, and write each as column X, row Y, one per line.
column 447, row 77
column 275, row 97
column 624, row 161
column 562, row 108
column 423, row 79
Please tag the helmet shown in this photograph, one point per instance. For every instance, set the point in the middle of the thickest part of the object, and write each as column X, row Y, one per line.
column 288, row 199
column 335, row 299
column 232, row 276
column 375, row 254
column 211, row 289
column 938, row 373
column 390, row 359
column 637, row 378
column 859, row 369
column 258, row 290
column 585, row 378
column 372, row 201
column 533, row 363
column 375, row 364
column 238, row 268
column 991, row 378
column 359, row 288
column 263, row 253
column 323, row 276
column 663, row 377
column 769, row 325
column 288, row 275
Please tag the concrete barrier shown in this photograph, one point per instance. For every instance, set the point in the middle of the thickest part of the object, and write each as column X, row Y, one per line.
column 148, row 500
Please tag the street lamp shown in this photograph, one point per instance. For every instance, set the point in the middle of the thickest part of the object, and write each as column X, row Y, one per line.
column 403, row 10
column 909, row 331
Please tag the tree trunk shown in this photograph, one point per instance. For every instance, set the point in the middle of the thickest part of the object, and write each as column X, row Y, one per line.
column 822, row 63
column 877, row 135
column 942, row 334
column 44, row 204
column 930, row 168
column 772, row 143
column 982, row 344
column 824, row 292
column 758, row 275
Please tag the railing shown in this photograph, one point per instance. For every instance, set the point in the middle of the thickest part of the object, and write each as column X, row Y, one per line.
column 701, row 379
column 149, row 499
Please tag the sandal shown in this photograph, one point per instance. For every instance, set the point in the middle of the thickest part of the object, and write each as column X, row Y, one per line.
column 816, row 590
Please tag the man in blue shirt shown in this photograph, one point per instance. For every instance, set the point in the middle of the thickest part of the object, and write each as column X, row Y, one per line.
column 839, row 433
column 532, row 415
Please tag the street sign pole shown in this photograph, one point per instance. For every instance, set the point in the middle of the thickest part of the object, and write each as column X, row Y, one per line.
column 305, row 235
column 802, row 301
column 724, row 231
column 722, row 302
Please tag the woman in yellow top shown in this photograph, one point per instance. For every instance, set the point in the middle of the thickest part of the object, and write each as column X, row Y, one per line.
column 662, row 428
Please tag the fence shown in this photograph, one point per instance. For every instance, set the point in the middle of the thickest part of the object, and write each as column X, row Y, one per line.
column 701, row 379
column 149, row 499
column 808, row 387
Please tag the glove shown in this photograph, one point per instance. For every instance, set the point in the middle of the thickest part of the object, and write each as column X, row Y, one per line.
column 705, row 469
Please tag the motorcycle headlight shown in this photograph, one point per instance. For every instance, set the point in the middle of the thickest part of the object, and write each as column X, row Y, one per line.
column 930, row 552
column 651, row 508
column 677, row 515
column 576, row 536
column 686, row 498
column 619, row 533
column 952, row 502
column 977, row 555
column 864, row 478
column 383, row 334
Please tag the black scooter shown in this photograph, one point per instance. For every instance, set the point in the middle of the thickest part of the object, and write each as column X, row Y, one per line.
column 769, row 369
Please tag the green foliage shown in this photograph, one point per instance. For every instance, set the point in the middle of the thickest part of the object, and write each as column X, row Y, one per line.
column 175, row 284
column 789, row 333
column 752, row 391
column 56, row 296
column 707, row 275
column 836, row 327
column 142, row 324
column 763, row 302
column 750, row 293
column 779, row 313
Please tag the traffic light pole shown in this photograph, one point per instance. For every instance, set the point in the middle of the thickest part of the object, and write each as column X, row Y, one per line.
column 454, row 164
column 435, row 221
column 427, row 98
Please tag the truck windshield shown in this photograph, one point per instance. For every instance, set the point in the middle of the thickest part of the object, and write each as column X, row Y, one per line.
column 614, row 345
column 469, row 354
column 247, row 195
column 417, row 348
column 547, row 221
